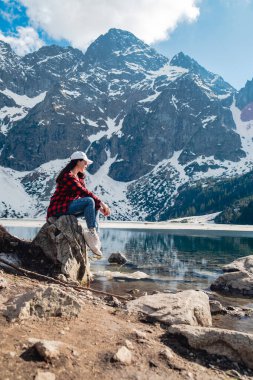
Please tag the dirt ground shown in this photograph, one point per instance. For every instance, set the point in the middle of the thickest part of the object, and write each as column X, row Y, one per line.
column 93, row 338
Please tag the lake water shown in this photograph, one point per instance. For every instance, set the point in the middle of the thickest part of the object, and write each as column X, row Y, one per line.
column 172, row 262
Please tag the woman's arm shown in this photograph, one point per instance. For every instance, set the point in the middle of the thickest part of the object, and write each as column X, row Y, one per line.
column 104, row 208
column 76, row 187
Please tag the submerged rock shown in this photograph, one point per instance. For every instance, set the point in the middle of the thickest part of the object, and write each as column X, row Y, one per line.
column 234, row 345
column 43, row 302
column 117, row 258
column 237, row 279
column 242, row 264
column 216, row 307
column 138, row 275
column 233, row 311
column 188, row 307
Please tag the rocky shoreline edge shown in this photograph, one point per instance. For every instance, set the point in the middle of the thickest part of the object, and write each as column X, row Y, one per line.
column 53, row 327
column 52, row 332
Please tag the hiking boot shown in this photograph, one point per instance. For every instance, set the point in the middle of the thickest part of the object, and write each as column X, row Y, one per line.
column 92, row 240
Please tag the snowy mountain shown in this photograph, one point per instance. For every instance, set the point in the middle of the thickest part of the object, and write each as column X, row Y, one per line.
column 154, row 127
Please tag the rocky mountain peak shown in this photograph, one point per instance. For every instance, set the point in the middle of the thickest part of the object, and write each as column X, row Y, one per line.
column 4, row 48
column 183, row 60
column 245, row 95
column 118, row 47
column 214, row 81
column 7, row 55
column 52, row 53
column 162, row 125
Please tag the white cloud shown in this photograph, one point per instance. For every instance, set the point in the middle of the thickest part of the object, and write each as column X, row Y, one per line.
column 81, row 21
column 25, row 41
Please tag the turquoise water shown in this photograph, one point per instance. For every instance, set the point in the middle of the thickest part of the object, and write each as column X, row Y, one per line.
column 172, row 262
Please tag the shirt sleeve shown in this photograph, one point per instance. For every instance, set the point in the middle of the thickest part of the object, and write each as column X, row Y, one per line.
column 78, row 188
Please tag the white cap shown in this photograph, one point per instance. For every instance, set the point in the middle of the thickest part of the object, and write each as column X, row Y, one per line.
column 80, row 156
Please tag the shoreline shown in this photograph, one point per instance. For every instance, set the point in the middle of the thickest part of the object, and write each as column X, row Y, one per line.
column 171, row 227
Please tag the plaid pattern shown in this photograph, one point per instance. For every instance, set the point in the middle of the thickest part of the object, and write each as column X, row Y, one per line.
column 69, row 189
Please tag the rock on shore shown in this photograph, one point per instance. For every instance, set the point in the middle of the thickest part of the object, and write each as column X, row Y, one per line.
column 237, row 279
column 236, row 346
column 189, row 307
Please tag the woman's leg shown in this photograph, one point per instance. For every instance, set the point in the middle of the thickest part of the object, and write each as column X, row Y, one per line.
column 84, row 207
column 97, row 220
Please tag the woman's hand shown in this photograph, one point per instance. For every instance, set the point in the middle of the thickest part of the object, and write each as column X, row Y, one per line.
column 105, row 209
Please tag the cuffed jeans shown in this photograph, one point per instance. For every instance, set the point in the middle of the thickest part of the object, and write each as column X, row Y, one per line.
column 84, row 207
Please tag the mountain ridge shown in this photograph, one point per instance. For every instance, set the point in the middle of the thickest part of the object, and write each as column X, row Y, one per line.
column 149, row 124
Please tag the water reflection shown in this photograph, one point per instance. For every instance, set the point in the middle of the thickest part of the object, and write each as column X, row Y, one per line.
column 173, row 262
column 181, row 258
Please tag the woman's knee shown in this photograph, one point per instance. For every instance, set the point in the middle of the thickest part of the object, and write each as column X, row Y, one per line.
column 89, row 202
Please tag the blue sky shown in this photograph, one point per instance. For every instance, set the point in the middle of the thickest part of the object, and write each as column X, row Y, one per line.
column 216, row 33
column 221, row 39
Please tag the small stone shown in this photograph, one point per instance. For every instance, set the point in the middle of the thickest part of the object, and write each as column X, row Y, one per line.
column 45, row 376
column 12, row 354
column 3, row 283
column 117, row 258
column 61, row 277
column 62, row 332
column 167, row 353
column 134, row 292
column 140, row 334
column 112, row 301
column 233, row 372
column 75, row 353
column 216, row 307
column 152, row 364
column 47, row 349
column 129, row 344
column 123, row 355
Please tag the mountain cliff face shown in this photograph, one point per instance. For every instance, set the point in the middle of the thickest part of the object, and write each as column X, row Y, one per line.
column 150, row 124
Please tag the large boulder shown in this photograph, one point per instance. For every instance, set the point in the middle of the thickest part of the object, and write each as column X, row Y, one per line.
column 237, row 279
column 43, row 302
column 236, row 346
column 242, row 264
column 188, row 307
column 62, row 241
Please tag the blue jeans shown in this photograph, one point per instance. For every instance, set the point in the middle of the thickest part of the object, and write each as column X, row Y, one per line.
column 84, row 207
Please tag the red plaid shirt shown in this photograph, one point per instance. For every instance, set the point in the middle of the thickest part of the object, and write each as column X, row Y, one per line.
column 67, row 190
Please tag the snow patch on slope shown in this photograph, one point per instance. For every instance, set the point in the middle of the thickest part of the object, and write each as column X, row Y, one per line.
column 23, row 100
column 113, row 128
column 13, row 196
column 244, row 129
column 110, row 191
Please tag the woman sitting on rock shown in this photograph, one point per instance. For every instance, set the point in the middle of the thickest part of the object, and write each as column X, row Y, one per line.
column 71, row 197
